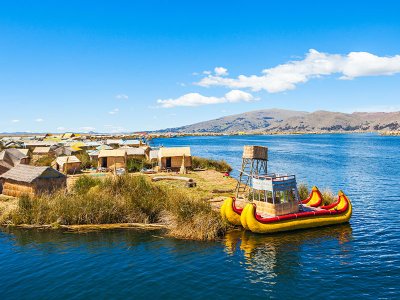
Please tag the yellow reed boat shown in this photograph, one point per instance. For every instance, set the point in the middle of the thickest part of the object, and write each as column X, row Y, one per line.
column 308, row 214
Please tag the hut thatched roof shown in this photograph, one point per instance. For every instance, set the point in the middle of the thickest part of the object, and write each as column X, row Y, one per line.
column 112, row 153
column 28, row 174
column 41, row 150
column 113, row 141
column 67, row 159
column 63, row 150
column 68, row 135
column 134, row 151
column 23, row 151
column 93, row 153
column 104, row 147
column 11, row 156
column 130, row 143
column 175, row 151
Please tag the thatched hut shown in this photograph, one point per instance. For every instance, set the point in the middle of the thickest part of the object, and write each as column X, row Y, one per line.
column 39, row 152
column 174, row 158
column 30, row 180
column 67, row 164
column 135, row 153
column 9, row 158
column 112, row 159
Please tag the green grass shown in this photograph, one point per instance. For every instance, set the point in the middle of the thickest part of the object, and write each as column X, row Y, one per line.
column 122, row 199
column 210, row 164
column 44, row 161
column 86, row 162
column 135, row 165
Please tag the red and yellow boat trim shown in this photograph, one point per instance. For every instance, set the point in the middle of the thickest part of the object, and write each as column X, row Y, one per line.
column 315, row 198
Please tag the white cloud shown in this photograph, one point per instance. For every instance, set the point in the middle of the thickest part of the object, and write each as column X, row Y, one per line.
column 196, row 99
column 122, row 97
column 15, row 121
column 315, row 64
column 207, row 72
column 220, row 71
column 39, row 120
column 61, row 128
column 114, row 111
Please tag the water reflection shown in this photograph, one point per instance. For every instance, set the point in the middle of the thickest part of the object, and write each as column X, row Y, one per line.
column 268, row 256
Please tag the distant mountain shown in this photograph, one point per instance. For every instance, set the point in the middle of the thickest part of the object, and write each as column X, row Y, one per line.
column 280, row 120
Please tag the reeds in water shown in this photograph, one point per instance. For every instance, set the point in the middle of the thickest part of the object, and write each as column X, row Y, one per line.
column 122, row 199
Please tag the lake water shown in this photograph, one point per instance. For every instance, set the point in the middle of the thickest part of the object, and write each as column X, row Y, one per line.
column 356, row 260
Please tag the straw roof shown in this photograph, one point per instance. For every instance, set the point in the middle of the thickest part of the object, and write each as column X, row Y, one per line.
column 68, row 135
column 130, row 142
column 63, row 150
column 11, row 157
column 39, row 143
column 112, row 153
column 134, row 151
column 93, row 152
column 113, row 142
column 175, row 151
column 28, row 174
column 23, row 151
column 104, row 147
column 41, row 150
column 67, row 159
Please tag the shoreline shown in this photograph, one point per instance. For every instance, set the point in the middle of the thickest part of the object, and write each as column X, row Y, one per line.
column 89, row 227
column 156, row 134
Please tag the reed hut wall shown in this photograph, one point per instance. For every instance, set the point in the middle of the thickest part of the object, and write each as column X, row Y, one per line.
column 46, row 185
column 112, row 162
column 176, row 162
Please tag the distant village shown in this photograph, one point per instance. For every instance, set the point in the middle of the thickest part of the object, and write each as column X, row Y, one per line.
column 42, row 163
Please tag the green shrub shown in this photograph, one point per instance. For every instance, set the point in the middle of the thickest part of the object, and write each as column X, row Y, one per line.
column 83, row 184
column 210, row 164
column 86, row 162
column 44, row 161
column 135, row 165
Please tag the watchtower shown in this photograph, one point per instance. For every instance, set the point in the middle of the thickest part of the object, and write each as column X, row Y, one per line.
column 254, row 163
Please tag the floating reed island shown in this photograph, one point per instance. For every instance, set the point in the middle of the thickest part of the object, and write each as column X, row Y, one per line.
column 129, row 200
column 118, row 202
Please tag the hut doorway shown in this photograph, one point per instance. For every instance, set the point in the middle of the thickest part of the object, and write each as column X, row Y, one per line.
column 168, row 163
column 104, row 162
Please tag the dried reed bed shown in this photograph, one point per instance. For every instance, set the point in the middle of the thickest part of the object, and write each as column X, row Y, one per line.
column 123, row 199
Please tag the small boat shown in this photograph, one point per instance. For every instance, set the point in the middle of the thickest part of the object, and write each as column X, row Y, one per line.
column 310, row 214
column 336, row 213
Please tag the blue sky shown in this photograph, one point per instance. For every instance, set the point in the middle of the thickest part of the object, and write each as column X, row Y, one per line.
column 114, row 66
